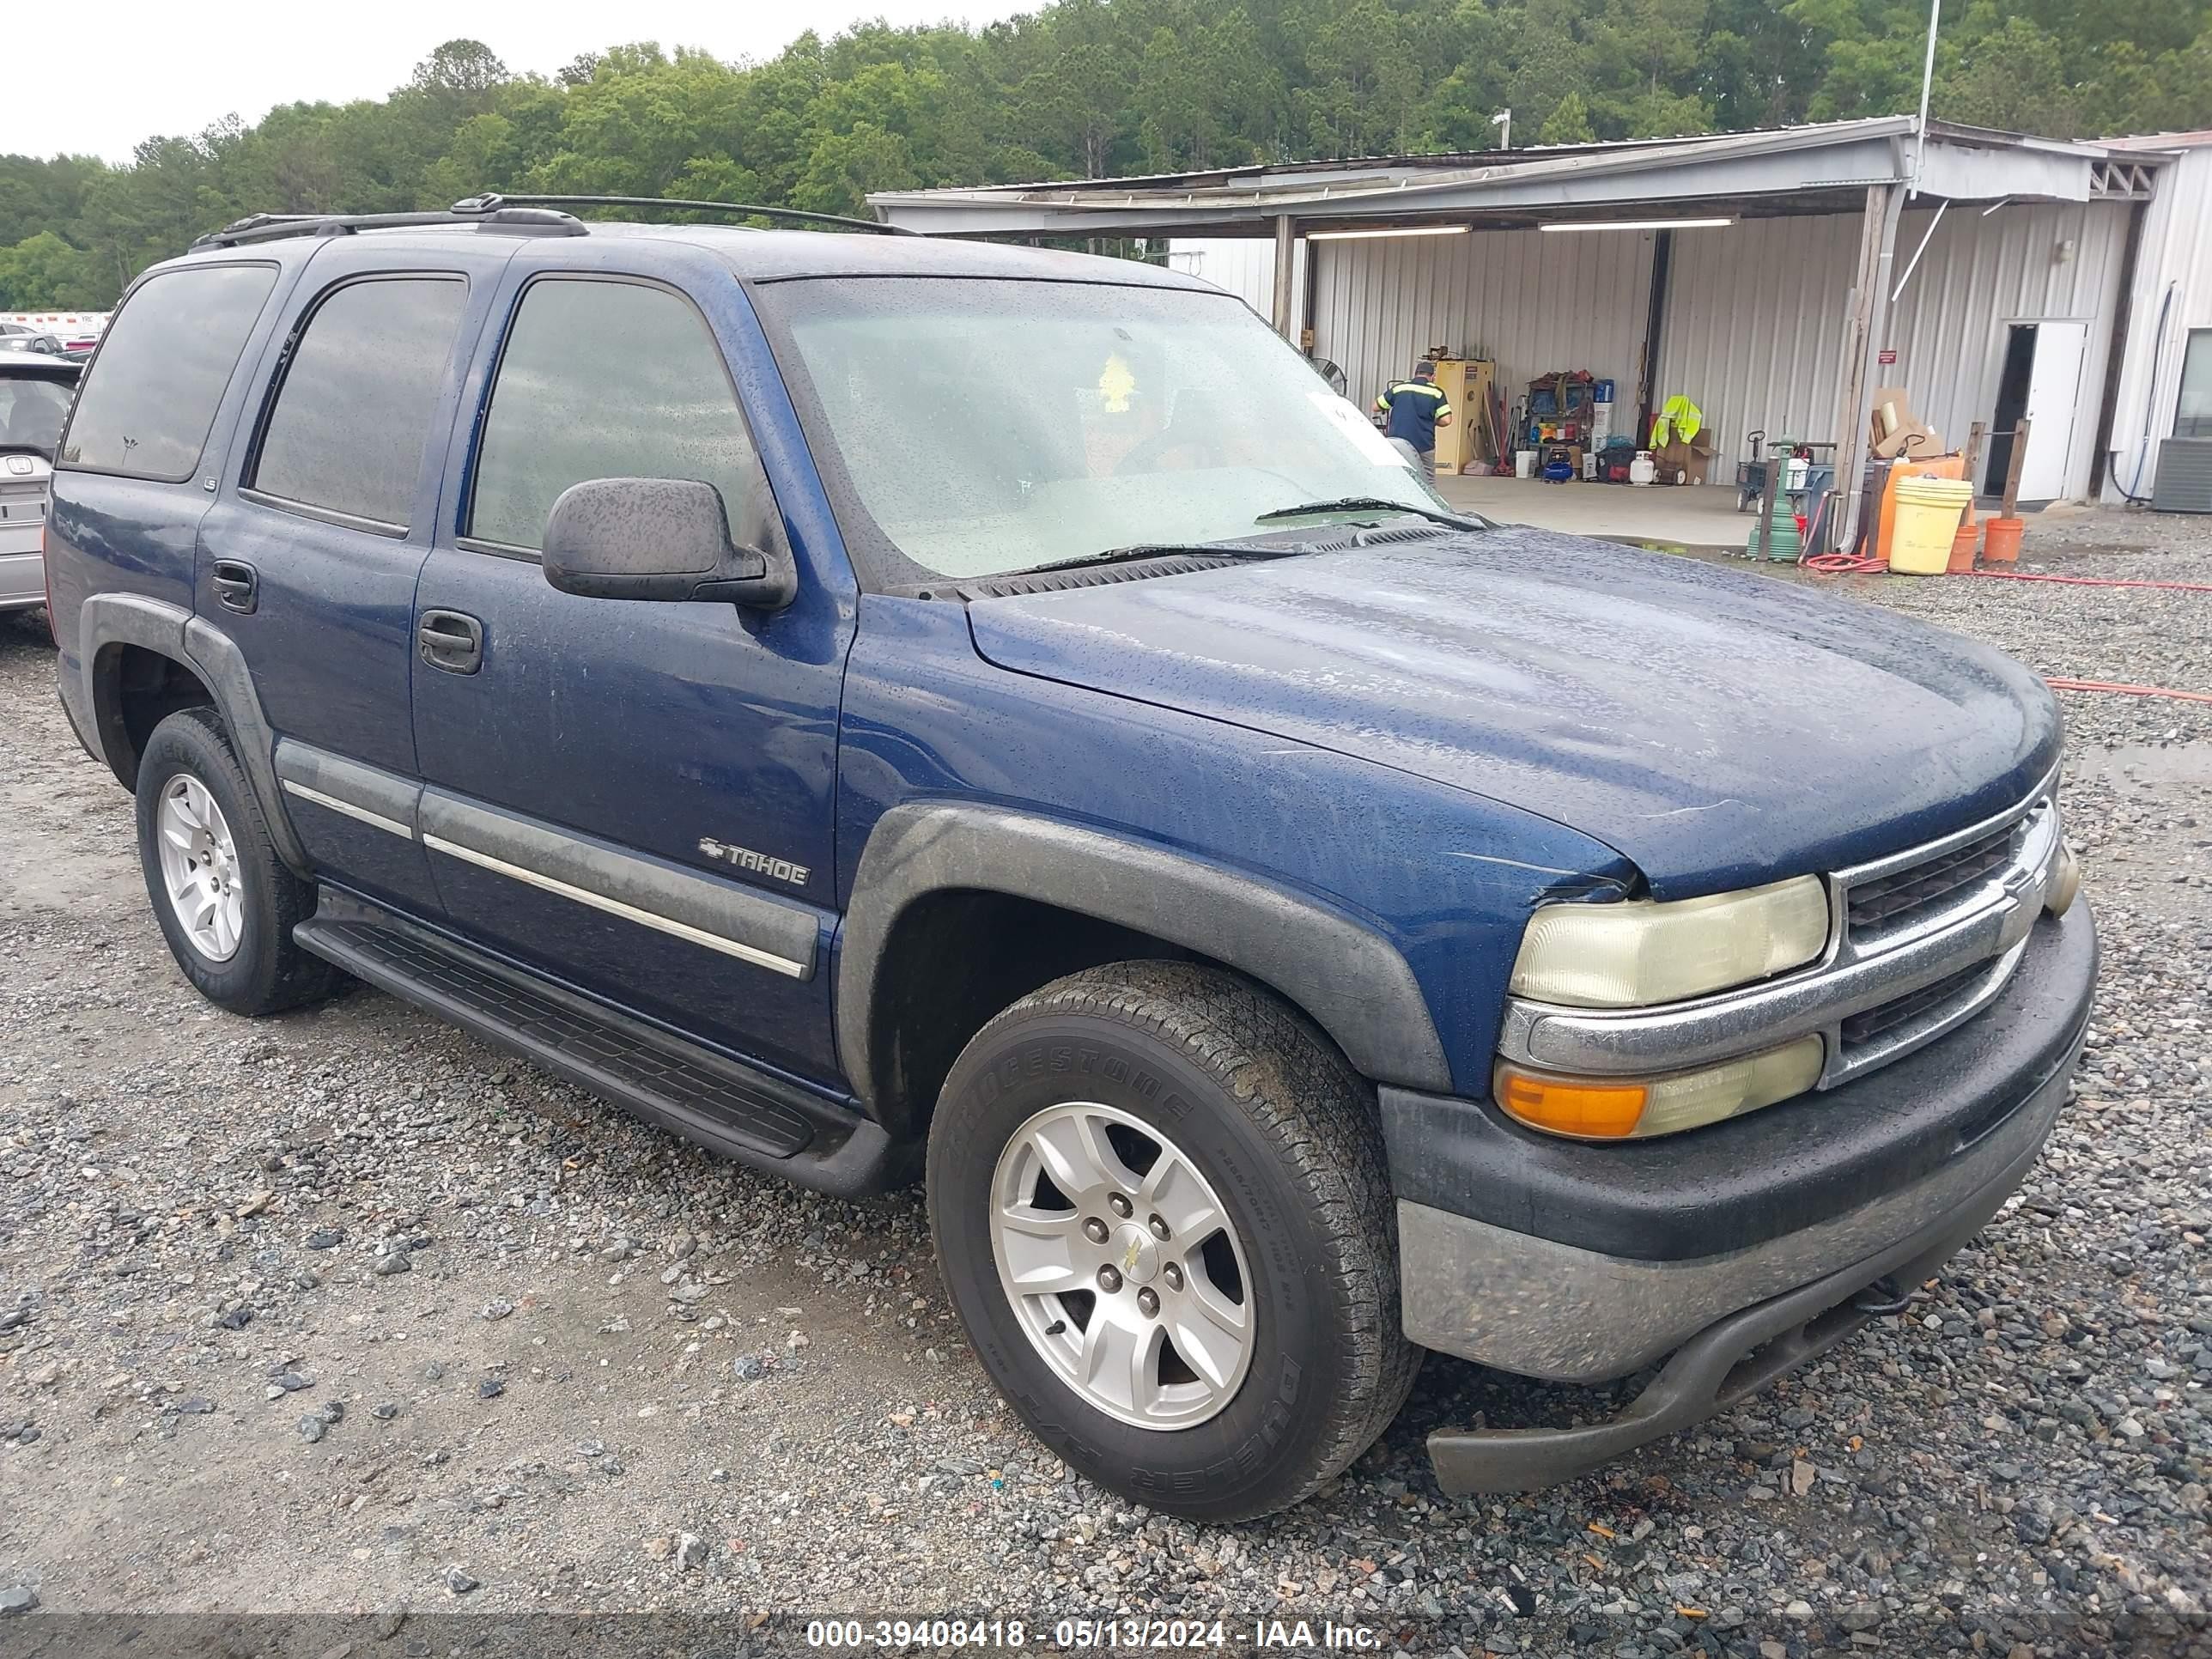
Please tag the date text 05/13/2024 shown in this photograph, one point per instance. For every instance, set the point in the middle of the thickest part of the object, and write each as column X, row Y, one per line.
column 1091, row 1635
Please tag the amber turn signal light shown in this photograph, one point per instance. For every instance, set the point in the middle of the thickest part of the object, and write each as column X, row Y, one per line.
column 1617, row 1107
column 1572, row 1106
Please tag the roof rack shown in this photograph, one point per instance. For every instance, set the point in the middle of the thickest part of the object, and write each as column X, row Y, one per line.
column 539, row 216
column 477, row 210
column 743, row 209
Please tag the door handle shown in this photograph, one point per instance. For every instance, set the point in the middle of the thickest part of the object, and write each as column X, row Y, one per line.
column 237, row 586
column 451, row 642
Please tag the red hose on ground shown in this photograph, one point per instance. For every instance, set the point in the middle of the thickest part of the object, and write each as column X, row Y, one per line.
column 1834, row 564
column 2086, row 581
column 1838, row 564
column 1842, row 564
column 2130, row 690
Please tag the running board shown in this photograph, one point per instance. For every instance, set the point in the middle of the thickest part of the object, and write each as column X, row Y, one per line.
column 726, row 1106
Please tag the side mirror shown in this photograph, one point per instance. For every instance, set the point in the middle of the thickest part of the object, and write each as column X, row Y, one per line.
column 658, row 538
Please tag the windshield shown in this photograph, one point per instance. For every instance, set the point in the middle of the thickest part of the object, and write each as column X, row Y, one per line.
column 32, row 409
column 995, row 426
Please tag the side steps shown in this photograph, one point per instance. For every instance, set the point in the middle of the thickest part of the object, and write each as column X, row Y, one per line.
column 729, row 1108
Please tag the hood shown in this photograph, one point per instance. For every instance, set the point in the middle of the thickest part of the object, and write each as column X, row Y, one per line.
column 1718, row 728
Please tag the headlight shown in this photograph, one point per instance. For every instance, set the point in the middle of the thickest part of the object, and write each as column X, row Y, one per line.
column 1619, row 1108
column 1629, row 955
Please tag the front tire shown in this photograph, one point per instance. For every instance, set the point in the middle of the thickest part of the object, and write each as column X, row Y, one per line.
column 1162, row 1212
column 225, row 902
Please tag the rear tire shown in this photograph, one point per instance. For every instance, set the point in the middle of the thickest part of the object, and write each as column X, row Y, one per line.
column 224, row 900
column 1228, row 1164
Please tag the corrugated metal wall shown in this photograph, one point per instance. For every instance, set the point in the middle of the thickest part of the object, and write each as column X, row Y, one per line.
column 1245, row 265
column 1982, row 273
column 1753, row 328
column 2175, row 254
column 1755, row 316
column 1755, row 312
column 1533, row 302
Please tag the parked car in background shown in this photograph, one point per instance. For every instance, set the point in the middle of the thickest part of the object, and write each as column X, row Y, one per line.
column 876, row 705
column 56, row 333
column 35, row 389
column 21, row 336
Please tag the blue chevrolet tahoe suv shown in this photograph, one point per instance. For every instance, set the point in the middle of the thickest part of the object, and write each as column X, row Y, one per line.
column 888, row 709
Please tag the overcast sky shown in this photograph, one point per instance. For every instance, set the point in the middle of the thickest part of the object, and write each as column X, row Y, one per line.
column 125, row 70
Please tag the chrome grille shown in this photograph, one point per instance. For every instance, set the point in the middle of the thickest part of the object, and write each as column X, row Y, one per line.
column 1865, row 1028
column 1902, row 897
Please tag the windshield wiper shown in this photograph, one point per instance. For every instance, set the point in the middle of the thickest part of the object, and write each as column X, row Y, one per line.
column 1154, row 551
column 1375, row 504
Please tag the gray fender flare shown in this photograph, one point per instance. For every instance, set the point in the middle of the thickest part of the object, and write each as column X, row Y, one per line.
column 170, row 630
column 1346, row 977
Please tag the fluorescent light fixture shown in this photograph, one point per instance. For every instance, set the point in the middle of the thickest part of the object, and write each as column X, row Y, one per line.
column 1640, row 224
column 1397, row 230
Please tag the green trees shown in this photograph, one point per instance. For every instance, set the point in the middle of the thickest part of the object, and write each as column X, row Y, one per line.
column 1360, row 84
column 43, row 273
column 1087, row 89
column 1567, row 123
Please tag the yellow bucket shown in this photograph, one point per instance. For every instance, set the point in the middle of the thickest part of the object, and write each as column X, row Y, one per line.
column 1928, row 514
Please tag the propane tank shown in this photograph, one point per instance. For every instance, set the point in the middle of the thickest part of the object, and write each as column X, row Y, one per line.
column 1643, row 470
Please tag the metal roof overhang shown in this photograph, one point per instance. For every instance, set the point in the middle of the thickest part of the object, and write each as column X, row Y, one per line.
column 1810, row 169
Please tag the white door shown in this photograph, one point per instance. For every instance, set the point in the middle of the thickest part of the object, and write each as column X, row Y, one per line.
column 2054, row 391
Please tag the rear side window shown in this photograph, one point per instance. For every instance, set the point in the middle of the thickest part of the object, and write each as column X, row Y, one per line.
column 146, row 409
column 345, row 434
column 604, row 380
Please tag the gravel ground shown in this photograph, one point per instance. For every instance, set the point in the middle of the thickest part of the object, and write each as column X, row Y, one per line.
column 346, row 1313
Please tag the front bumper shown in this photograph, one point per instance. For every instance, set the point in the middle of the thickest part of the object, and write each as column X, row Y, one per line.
column 1742, row 1248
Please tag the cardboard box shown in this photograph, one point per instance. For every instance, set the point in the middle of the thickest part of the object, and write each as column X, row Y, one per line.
column 1896, row 430
column 1682, row 461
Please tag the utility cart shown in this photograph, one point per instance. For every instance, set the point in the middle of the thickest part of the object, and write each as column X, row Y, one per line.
column 1803, row 484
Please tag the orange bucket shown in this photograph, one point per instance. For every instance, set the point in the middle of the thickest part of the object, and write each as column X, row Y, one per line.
column 2002, row 546
column 1963, row 546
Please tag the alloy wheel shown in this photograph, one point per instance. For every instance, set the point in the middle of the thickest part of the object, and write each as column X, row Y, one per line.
column 200, row 868
column 1122, row 1265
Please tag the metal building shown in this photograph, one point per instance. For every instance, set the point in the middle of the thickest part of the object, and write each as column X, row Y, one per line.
column 2164, row 388
column 1776, row 277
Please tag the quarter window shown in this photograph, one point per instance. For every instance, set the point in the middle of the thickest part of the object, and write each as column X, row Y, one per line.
column 147, row 406
column 604, row 380
column 347, row 430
